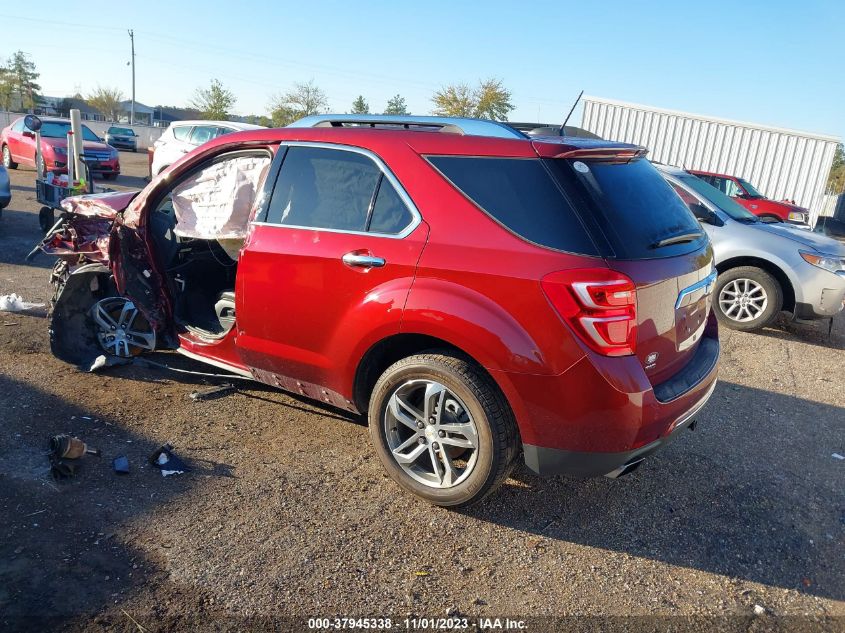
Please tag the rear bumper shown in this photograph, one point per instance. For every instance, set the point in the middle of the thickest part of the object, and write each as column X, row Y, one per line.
column 603, row 413
column 552, row 461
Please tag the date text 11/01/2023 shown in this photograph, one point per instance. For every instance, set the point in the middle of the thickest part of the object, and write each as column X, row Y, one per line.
column 417, row 624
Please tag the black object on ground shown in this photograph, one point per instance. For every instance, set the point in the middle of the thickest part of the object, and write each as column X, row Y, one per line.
column 168, row 463
column 212, row 393
column 120, row 464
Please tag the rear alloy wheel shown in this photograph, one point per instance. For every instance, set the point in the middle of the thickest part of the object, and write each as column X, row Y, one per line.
column 121, row 328
column 8, row 163
column 747, row 298
column 442, row 429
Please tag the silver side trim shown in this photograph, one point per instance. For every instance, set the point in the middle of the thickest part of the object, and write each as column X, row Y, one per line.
column 455, row 125
column 216, row 363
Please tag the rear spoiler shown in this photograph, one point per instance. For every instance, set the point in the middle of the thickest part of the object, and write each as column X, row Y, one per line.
column 589, row 151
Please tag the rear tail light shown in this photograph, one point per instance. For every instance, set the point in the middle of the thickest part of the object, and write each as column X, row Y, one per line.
column 599, row 304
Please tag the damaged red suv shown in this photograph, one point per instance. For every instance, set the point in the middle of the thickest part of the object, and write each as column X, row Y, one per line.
column 477, row 293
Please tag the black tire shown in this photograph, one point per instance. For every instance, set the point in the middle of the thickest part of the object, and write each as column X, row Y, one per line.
column 497, row 434
column 770, row 286
column 8, row 163
column 46, row 219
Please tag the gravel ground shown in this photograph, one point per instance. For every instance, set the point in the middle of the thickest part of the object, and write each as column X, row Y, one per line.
column 287, row 512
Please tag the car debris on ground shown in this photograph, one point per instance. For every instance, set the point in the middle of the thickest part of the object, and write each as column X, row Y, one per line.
column 15, row 303
column 167, row 462
column 212, row 393
column 65, row 452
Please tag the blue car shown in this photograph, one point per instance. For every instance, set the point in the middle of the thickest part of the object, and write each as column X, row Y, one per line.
column 5, row 188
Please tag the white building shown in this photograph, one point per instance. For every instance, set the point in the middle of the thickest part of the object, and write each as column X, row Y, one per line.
column 782, row 164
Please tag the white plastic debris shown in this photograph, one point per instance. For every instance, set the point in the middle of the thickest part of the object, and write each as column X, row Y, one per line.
column 838, row 456
column 758, row 610
column 15, row 303
column 162, row 460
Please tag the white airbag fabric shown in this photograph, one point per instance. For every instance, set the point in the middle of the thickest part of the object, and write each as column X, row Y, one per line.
column 216, row 202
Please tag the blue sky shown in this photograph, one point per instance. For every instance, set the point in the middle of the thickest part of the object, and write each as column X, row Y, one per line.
column 775, row 63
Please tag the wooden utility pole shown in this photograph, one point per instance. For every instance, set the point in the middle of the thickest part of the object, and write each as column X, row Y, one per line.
column 132, row 61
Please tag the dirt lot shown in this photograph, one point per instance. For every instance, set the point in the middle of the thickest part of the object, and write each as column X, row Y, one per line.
column 287, row 512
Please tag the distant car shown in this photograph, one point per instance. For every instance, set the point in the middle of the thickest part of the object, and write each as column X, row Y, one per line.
column 17, row 146
column 763, row 267
column 182, row 136
column 747, row 195
column 5, row 189
column 122, row 137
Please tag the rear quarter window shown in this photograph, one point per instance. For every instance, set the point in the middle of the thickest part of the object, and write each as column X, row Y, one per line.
column 519, row 194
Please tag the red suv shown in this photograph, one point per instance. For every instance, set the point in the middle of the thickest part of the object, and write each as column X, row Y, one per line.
column 744, row 192
column 17, row 145
column 475, row 292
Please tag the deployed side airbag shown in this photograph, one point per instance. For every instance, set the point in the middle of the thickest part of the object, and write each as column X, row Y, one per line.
column 216, row 202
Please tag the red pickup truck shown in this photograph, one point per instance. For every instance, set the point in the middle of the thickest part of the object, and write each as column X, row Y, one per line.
column 747, row 195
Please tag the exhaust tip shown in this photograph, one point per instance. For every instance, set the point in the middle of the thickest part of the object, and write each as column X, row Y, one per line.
column 625, row 469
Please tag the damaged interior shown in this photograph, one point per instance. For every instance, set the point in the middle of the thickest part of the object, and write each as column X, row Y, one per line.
column 197, row 231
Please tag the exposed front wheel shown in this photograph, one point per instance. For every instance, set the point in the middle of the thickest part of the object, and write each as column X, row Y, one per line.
column 8, row 163
column 748, row 298
column 442, row 429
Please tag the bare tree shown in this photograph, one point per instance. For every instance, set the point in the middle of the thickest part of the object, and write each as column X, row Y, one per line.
column 106, row 101
column 302, row 100
column 489, row 100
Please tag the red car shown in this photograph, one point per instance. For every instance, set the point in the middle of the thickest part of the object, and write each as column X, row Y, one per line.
column 747, row 195
column 477, row 293
column 17, row 146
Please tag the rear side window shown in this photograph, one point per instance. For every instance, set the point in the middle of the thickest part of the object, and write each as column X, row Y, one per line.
column 390, row 215
column 520, row 195
column 634, row 207
column 325, row 189
column 180, row 132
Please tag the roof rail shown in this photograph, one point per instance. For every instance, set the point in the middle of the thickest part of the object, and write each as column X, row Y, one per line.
column 453, row 125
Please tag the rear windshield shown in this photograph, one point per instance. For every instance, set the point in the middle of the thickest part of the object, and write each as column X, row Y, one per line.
column 612, row 209
column 634, row 207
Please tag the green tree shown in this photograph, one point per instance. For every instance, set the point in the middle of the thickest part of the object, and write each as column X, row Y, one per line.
column 836, row 178
column 106, row 101
column 489, row 100
column 302, row 100
column 360, row 106
column 396, row 105
column 18, row 88
column 214, row 102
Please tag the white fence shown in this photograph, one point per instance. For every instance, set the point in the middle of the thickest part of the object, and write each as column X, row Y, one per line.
column 146, row 135
column 780, row 163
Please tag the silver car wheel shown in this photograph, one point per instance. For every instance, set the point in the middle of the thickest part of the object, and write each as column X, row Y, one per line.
column 431, row 434
column 743, row 300
column 121, row 329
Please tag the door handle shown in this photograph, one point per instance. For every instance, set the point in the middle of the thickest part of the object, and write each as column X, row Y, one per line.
column 362, row 260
